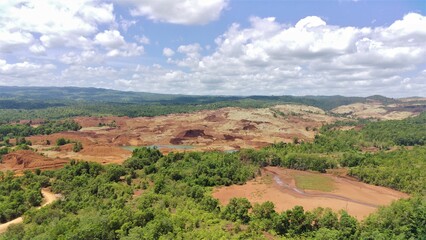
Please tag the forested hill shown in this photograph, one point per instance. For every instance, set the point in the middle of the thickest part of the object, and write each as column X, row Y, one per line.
column 43, row 97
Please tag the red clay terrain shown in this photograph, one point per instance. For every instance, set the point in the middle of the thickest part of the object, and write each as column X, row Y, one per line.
column 29, row 160
column 280, row 186
column 109, row 139
column 224, row 129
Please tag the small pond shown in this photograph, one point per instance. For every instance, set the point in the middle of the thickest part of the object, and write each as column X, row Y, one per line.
column 179, row 147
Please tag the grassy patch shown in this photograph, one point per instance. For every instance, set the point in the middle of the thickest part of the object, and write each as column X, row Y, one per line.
column 314, row 182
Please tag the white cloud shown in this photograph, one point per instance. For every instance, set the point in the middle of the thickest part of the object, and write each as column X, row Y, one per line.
column 59, row 23
column 127, row 50
column 37, row 49
column 266, row 57
column 143, row 39
column 125, row 24
column 114, row 42
column 192, row 55
column 168, row 52
column 187, row 12
column 110, row 39
column 310, row 57
column 84, row 57
column 25, row 73
column 10, row 40
column 23, row 68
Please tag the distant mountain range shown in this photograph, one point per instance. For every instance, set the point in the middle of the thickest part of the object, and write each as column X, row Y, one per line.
column 42, row 97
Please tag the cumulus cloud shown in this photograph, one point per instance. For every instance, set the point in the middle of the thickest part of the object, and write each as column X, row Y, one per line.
column 69, row 28
column 11, row 40
column 24, row 73
column 187, row 12
column 310, row 57
column 114, row 42
column 110, row 39
column 81, row 58
column 143, row 39
column 58, row 24
column 85, row 46
column 168, row 52
column 23, row 68
column 37, row 49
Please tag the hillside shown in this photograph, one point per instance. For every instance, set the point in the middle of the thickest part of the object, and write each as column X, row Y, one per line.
column 57, row 96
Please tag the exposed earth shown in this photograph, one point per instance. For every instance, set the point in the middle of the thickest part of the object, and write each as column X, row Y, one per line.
column 280, row 186
column 28, row 160
column 111, row 139
column 226, row 129
column 383, row 111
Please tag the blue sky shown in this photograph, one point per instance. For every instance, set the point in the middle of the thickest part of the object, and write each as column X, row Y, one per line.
column 217, row 47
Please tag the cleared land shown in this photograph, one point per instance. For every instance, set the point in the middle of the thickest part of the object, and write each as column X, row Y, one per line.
column 284, row 187
column 226, row 129
column 382, row 111
column 111, row 139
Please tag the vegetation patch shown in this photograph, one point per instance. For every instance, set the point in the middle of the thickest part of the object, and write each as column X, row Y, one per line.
column 314, row 182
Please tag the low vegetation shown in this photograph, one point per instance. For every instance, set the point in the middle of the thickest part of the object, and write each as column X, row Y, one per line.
column 18, row 195
column 153, row 196
column 314, row 182
column 8, row 131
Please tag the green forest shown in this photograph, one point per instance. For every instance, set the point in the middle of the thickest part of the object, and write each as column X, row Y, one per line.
column 156, row 196
column 53, row 103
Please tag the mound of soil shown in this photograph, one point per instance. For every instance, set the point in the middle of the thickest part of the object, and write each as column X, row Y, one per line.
column 176, row 141
column 193, row 133
column 213, row 118
column 67, row 147
column 228, row 137
column 249, row 127
column 27, row 160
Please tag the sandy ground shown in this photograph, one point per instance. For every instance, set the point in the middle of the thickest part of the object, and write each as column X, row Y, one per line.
column 49, row 197
column 378, row 110
column 278, row 186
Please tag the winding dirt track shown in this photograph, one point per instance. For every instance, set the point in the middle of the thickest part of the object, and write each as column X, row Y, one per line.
column 48, row 198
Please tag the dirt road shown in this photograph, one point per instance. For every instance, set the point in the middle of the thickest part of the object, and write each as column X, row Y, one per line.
column 48, row 198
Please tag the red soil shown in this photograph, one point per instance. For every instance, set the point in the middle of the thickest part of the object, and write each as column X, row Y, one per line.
column 29, row 160
column 358, row 199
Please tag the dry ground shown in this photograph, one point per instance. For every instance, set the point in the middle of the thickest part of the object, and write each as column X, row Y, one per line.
column 278, row 185
column 21, row 160
column 223, row 129
column 378, row 110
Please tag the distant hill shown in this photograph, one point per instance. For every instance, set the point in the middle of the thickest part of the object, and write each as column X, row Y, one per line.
column 45, row 97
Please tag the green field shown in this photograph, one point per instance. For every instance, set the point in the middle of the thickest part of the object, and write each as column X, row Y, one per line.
column 314, row 182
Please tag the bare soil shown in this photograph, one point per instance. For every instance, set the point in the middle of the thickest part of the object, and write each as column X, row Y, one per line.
column 278, row 185
column 28, row 160
column 381, row 111
column 223, row 129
